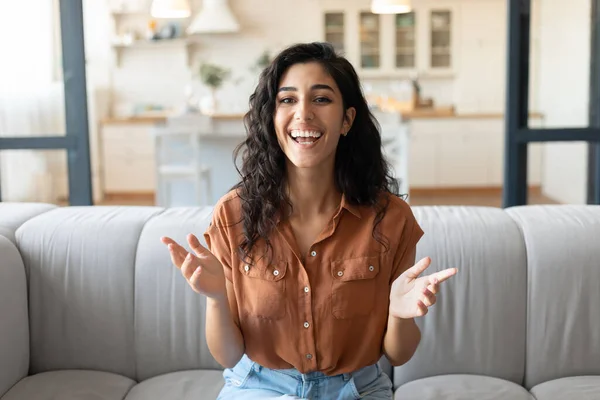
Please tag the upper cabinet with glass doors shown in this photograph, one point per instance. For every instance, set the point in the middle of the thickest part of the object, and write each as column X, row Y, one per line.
column 422, row 42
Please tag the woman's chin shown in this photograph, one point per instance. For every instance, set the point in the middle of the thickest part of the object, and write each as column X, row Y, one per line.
column 309, row 163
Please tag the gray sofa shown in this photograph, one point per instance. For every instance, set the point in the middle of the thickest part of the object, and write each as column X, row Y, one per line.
column 91, row 308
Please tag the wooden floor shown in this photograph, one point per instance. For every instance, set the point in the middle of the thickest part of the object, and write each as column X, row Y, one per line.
column 491, row 197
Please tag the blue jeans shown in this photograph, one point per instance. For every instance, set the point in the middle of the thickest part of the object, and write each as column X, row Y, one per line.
column 251, row 381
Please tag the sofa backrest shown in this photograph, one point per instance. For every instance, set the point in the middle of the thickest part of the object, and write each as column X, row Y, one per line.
column 169, row 315
column 14, row 326
column 563, row 283
column 12, row 215
column 104, row 295
column 478, row 323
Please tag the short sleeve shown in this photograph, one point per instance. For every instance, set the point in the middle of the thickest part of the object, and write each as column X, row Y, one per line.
column 219, row 244
column 406, row 249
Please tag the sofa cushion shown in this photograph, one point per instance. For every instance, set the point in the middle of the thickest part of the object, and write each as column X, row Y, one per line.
column 169, row 315
column 478, row 323
column 184, row 385
column 81, row 262
column 14, row 325
column 563, row 335
column 12, row 215
column 462, row 387
column 578, row 387
column 71, row 385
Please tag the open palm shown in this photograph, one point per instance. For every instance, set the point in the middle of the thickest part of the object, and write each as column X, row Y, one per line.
column 202, row 270
column 411, row 295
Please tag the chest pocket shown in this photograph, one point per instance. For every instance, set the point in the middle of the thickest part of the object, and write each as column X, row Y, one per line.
column 263, row 289
column 354, row 287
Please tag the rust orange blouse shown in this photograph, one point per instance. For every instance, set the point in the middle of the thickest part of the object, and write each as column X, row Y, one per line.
column 330, row 313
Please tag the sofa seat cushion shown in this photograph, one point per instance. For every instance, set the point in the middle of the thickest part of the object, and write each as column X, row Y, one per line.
column 461, row 387
column 71, row 385
column 577, row 387
column 182, row 385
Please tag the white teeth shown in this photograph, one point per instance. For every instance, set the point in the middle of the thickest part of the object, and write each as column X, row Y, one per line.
column 297, row 133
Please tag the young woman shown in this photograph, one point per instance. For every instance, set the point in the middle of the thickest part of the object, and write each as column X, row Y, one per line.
column 309, row 272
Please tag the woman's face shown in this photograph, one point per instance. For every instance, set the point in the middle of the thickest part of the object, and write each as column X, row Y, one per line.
column 309, row 116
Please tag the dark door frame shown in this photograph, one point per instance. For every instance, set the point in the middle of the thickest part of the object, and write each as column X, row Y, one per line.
column 517, row 132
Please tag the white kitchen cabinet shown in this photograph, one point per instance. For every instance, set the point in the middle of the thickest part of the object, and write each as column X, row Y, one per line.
column 424, row 156
column 424, row 42
column 128, row 164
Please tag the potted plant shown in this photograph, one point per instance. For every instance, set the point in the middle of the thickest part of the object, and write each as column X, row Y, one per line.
column 213, row 76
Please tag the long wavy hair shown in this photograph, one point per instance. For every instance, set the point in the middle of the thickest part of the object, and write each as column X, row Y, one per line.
column 361, row 172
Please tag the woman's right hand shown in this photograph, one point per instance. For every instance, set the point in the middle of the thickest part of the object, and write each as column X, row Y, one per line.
column 202, row 270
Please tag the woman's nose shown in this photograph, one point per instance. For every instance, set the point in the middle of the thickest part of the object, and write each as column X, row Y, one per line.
column 304, row 111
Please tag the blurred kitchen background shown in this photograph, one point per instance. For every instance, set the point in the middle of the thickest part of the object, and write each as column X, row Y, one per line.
column 168, row 82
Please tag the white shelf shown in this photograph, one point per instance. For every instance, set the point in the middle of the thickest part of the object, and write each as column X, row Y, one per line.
column 186, row 42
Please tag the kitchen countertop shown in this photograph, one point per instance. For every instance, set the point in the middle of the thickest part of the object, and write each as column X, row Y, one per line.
column 158, row 118
column 409, row 115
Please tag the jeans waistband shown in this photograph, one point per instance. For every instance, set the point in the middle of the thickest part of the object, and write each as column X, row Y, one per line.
column 373, row 370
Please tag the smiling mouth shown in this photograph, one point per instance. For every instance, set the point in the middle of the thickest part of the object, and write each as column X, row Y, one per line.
column 305, row 137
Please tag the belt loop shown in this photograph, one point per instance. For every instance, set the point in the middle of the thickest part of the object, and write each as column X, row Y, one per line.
column 347, row 377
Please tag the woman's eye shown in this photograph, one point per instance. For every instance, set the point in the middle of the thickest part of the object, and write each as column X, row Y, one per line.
column 322, row 100
column 286, row 100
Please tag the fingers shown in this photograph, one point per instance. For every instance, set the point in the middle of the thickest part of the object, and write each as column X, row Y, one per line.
column 441, row 276
column 421, row 309
column 195, row 278
column 196, row 246
column 433, row 288
column 178, row 253
column 428, row 298
column 416, row 270
column 189, row 266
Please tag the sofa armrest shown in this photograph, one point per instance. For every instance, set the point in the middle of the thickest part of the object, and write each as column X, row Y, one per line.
column 14, row 321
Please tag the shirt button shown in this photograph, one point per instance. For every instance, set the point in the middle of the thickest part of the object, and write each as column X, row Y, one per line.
column 306, row 324
column 371, row 268
column 306, row 289
column 340, row 273
column 246, row 268
column 275, row 272
column 309, row 356
column 313, row 253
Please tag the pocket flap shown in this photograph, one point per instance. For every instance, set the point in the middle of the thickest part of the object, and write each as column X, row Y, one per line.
column 355, row 268
column 273, row 271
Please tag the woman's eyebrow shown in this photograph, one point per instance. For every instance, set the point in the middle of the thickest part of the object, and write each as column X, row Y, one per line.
column 314, row 87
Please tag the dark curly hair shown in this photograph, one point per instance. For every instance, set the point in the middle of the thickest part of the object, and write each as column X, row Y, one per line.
column 361, row 172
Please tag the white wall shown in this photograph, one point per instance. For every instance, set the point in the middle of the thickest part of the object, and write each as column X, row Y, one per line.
column 160, row 76
column 480, row 84
column 563, row 92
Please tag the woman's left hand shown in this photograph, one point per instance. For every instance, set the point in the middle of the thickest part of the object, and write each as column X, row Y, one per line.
column 412, row 296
